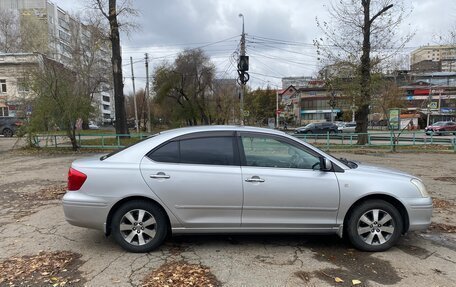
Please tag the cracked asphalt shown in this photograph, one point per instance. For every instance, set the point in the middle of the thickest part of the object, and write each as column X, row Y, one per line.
column 420, row 259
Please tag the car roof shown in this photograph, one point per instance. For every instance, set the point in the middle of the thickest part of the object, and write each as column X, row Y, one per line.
column 193, row 129
column 137, row 153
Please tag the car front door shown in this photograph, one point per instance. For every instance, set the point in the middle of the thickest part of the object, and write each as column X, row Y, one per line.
column 284, row 186
column 199, row 179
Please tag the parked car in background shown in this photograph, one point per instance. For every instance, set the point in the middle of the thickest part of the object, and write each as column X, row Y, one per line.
column 9, row 125
column 318, row 128
column 441, row 128
column 93, row 126
column 237, row 179
column 346, row 127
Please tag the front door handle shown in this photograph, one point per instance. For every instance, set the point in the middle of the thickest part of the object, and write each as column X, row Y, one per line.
column 160, row 175
column 254, row 179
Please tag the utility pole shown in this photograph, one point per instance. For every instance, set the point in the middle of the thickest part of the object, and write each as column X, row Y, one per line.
column 277, row 108
column 134, row 95
column 147, row 92
column 243, row 67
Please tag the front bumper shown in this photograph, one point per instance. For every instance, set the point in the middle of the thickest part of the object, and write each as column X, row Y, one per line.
column 84, row 210
column 420, row 213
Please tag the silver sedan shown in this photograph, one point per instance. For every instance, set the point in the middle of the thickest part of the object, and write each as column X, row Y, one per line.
column 232, row 179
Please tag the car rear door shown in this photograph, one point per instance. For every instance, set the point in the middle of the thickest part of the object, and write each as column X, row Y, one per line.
column 283, row 185
column 198, row 177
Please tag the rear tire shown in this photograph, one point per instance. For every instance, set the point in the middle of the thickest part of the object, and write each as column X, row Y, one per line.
column 374, row 225
column 7, row 133
column 139, row 226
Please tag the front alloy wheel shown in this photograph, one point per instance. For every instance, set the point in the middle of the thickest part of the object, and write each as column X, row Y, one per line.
column 139, row 226
column 374, row 225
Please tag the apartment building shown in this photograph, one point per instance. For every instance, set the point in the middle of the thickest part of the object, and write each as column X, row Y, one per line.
column 58, row 33
column 440, row 58
column 14, row 92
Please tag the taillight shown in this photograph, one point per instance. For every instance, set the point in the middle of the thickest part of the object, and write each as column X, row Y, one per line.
column 75, row 179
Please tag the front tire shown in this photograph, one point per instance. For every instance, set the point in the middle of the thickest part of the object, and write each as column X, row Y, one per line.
column 374, row 225
column 139, row 226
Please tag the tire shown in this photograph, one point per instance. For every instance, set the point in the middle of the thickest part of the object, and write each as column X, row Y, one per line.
column 309, row 132
column 372, row 231
column 332, row 132
column 7, row 133
column 136, row 234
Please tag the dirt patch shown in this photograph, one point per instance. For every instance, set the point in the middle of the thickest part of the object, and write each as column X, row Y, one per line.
column 303, row 275
column 180, row 274
column 440, row 227
column 450, row 179
column 47, row 268
column 441, row 203
column 415, row 251
column 21, row 204
column 353, row 265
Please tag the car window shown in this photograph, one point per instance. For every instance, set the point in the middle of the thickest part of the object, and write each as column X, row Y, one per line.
column 166, row 153
column 210, row 150
column 270, row 152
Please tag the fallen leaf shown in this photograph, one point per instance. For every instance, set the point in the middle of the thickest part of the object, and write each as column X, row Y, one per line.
column 356, row 282
column 338, row 280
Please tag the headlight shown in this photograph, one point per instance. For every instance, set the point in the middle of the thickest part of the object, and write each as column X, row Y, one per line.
column 420, row 186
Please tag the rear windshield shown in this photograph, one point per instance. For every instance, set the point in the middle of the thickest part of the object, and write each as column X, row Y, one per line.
column 121, row 149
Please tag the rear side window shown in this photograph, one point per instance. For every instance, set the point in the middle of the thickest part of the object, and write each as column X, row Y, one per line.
column 166, row 153
column 205, row 150
column 211, row 150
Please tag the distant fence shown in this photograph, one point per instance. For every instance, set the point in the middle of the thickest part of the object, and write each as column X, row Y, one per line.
column 380, row 139
column 325, row 141
column 93, row 141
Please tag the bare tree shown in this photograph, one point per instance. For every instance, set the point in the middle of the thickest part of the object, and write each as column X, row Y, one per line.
column 189, row 83
column 360, row 29
column 111, row 10
column 58, row 99
column 10, row 36
column 89, row 49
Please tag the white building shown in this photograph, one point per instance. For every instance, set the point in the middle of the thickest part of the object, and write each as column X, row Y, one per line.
column 58, row 31
column 440, row 58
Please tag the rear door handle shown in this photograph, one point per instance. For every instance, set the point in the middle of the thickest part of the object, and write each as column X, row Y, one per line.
column 160, row 175
column 254, row 179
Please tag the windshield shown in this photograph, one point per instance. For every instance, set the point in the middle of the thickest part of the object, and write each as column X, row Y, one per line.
column 309, row 126
column 439, row 124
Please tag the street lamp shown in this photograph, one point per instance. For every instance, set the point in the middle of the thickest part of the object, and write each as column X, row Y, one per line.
column 242, row 16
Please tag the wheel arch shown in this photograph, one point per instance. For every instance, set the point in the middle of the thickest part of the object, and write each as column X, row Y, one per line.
column 388, row 198
column 132, row 198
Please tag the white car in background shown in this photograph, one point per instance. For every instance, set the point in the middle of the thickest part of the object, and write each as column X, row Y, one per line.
column 346, row 127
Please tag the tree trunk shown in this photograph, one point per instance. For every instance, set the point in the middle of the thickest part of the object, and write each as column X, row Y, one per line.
column 116, row 59
column 363, row 103
column 71, row 132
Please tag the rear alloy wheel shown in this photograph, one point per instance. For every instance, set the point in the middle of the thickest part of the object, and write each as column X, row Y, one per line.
column 139, row 226
column 374, row 225
column 7, row 133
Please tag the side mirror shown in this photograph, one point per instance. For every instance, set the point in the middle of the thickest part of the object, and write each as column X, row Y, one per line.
column 325, row 164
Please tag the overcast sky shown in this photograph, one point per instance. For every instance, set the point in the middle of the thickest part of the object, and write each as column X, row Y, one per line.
column 169, row 26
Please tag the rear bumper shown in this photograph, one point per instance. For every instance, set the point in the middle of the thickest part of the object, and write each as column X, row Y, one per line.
column 84, row 210
column 420, row 213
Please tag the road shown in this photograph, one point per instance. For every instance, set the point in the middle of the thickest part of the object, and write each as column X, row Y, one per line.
column 31, row 222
